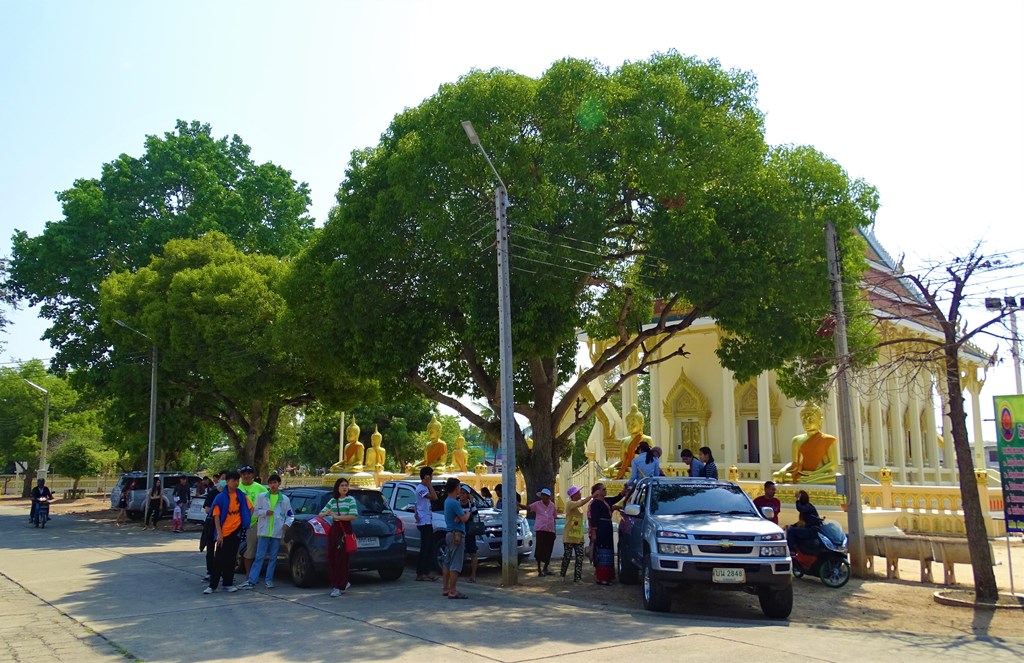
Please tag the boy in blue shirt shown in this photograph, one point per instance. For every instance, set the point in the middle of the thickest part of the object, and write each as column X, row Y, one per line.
column 455, row 518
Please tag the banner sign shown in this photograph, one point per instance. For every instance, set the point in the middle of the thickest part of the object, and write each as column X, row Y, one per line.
column 1010, row 440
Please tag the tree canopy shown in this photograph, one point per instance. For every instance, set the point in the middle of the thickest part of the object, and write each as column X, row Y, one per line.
column 215, row 314
column 641, row 199
column 185, row 184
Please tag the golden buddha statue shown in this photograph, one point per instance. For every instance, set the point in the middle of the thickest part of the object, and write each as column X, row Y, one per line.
column 460, row 457
column 375, row 455
column 436, row 453
column 815, row 455
column 353, row 456
column 635, row 428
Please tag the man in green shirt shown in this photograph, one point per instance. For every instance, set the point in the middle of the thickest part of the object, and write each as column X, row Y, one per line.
column 252, row 489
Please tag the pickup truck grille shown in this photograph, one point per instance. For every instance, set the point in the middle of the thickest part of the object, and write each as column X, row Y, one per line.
column 726, row 550
column 719, row 537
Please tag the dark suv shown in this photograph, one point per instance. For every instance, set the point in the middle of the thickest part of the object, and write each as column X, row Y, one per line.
column 378, row 531
column 678, row 531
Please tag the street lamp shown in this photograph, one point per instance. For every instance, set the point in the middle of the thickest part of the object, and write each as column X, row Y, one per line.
column 152, row 410
column 510, row 515
column 41, row 473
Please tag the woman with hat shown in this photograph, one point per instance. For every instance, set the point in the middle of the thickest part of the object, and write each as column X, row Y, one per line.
column 572, row 536
column 545, row 512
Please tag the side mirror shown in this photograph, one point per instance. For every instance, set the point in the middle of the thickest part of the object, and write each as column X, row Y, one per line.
column 767, row 512
column 631, row 510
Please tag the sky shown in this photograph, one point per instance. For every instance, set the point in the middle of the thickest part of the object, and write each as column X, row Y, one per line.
column 924, row 100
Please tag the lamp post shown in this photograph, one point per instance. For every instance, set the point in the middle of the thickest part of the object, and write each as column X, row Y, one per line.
column 510, row 534
column 41, row 473
column 152, row 410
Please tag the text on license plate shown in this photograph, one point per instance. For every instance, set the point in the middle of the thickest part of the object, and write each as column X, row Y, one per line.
column 374, row 542
column 728, row 575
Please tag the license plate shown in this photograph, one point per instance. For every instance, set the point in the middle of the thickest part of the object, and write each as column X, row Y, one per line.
column 730, row 576
column 368, row 542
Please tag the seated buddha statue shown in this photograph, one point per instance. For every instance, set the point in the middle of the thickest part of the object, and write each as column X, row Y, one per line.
column 635, row 428
column 460, row 457
column 815, row 454
column 436, row 453
column 352, row 454
column 375, row 455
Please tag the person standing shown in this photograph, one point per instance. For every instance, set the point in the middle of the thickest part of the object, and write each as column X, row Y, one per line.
column 182, row 495
column 155, row 505
column 455, row 518
column 602, row 536
column 252, row 489
column 710, row 469
column 122, row 503
column 545, row 513
column 425, row 497
column 208, row 539
column 645, row 464
column 274, row 511
column 769, row 499
column 696, row 467
column 472, row 547
column 341, row 510
column 230, row 509
column 572, row 536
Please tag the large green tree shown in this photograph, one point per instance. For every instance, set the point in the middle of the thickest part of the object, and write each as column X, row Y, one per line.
column 186, row 183
column 646, row 185
column 7, row 296
column 215, row 312
column 72, row 415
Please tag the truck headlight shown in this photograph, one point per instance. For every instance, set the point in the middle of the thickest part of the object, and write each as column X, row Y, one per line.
column 673, row 548
column 774, row 551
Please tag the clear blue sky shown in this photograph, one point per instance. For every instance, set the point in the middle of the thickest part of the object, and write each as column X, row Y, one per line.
column 922, row 99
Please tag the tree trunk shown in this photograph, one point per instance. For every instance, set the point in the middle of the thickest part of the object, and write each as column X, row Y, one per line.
column 540, row 464
column 26, row 486
column 985, row 588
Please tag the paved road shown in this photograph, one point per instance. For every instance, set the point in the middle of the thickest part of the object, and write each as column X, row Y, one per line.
column 78, row 591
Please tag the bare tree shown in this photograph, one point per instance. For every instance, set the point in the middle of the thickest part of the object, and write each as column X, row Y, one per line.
column 936, row 297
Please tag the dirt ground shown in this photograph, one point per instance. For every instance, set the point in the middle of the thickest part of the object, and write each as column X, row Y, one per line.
column 874, row 603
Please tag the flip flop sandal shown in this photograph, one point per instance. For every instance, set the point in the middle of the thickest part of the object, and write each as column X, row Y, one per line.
column 457, row 596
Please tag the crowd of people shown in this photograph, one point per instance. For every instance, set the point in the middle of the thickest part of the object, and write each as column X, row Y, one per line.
column 234, row 498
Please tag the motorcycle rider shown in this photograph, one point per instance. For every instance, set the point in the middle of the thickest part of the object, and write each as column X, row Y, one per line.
column 39, row 494
column 795, row 534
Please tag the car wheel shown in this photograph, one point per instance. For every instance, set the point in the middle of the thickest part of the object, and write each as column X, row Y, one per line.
column 834, row 572
column 301, row 566
column 391, row 573
column 440, row 549
column 776, row 603
column 628, row 574
column 657, row 597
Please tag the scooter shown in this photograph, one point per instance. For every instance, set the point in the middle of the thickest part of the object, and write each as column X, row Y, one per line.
column 42, row 513
column 825, row 558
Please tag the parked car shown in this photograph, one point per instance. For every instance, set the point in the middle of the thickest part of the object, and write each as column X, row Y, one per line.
column 679, row 531
column 137, row 499
column 379, row 534
column 401, row 497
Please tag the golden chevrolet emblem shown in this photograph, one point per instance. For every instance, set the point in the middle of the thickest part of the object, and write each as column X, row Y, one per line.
column 725, row 544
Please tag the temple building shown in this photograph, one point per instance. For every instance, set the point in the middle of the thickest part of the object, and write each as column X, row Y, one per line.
column 695, row 402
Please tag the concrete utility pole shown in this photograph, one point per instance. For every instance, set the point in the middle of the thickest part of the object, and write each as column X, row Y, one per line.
column 151, row 452
column 41, row 473
column 847, row 444
column 509, row 515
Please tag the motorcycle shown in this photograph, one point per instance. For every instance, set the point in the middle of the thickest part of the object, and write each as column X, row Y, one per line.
column 826, row 557
column 42, row 512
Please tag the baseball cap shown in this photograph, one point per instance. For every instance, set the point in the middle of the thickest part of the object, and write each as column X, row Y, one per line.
column 465, row 487
column 544, row 491
column 246, row 468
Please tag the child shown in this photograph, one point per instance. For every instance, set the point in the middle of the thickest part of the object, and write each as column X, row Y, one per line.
column 177, row 525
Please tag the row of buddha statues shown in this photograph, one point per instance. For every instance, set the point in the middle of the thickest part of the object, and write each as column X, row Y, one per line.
column 815, row 453
column 355, row 458
column 815, row 458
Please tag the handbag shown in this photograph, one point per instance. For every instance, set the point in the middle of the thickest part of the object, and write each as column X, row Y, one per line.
column 351, row 543
column 475, row 527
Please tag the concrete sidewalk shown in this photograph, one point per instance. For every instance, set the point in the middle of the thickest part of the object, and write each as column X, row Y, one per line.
column 142, row 591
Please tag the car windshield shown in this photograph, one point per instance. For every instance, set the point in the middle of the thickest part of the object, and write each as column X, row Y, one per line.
column 677, row 499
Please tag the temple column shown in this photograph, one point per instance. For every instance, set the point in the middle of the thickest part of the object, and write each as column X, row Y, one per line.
column 658, row 424
column 932, row 437
column 764, row 427
column 875, row 432
column 916, row 449
column 974, row 388
column 897, row 431
column 629, row 395
column 728, row 418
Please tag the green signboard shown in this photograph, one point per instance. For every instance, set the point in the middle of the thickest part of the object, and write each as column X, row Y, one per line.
column 1010, row 438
